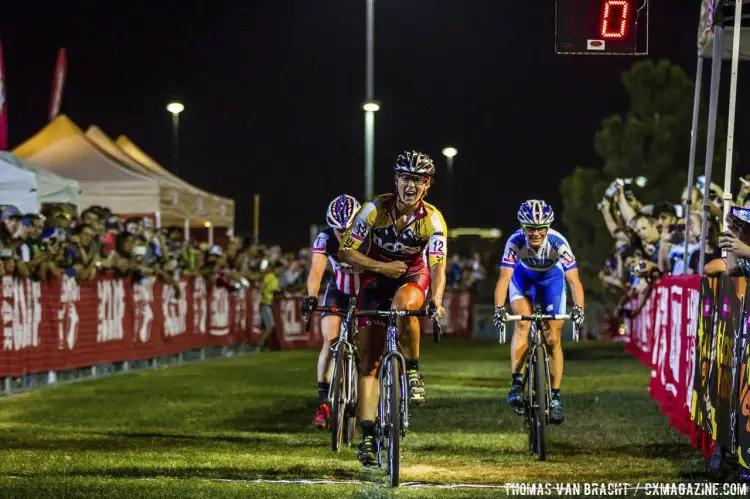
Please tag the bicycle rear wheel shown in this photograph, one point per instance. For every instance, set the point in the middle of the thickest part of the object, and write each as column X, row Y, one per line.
column 393, row 419
column 338, row 401
column 540, row 402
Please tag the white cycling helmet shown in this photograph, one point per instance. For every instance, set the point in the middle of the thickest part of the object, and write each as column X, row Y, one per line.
column 536, row 212
column 341, row 211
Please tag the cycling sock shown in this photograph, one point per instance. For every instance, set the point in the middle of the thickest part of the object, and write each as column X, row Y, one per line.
column 323, row 391
column 412, row 364
column 517, row 378
column 368, row 428
column 555, row 393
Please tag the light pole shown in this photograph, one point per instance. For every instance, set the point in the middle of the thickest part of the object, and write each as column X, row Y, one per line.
column 175, row 108
column 370, row 106
column 450, row 153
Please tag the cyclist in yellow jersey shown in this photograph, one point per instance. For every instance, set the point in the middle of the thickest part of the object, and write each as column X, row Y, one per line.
column 407, row 256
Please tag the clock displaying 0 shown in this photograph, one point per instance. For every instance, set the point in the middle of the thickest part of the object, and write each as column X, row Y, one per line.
column 601, row 27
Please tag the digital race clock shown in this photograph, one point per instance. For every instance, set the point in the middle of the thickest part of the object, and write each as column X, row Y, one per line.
column 601, row 27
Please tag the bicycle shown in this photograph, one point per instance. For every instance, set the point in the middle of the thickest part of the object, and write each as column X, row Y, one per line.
column 393, row 406
column 536, row 380
column 342, row 392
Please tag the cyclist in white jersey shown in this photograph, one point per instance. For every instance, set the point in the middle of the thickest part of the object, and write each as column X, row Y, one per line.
column 345, row 284
column 536, row 263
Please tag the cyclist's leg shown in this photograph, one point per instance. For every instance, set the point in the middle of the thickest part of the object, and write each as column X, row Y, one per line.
column 520, row 294
column 371, row 340
column 329, row 326
column 552, row 296
column 411, row 296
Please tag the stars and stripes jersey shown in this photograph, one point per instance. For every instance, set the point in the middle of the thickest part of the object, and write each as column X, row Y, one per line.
column 555, row 251
column 346, row 278
column 422, row 242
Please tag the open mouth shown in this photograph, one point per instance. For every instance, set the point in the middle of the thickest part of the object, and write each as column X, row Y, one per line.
column 410, row 192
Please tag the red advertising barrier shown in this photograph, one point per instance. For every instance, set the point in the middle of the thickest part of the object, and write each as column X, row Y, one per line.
column 662, row 335
column 59, row 325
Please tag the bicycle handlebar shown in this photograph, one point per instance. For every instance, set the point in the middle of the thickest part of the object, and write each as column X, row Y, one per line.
column 436, row 329
column 539, row 317
column 536, row 317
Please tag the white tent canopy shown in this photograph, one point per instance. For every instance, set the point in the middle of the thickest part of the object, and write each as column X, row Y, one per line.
column 17, row 187
column 217, row 210
column 175, row 201
column 63, row 148
column 51, row 188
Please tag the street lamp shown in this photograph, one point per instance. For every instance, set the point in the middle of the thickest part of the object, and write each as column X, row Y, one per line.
column 370, row 108
column 175, row 108
column 450, row 153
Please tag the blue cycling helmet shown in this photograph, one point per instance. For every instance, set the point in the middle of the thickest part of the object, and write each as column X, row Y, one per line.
column 535, row 212
column 341, row 211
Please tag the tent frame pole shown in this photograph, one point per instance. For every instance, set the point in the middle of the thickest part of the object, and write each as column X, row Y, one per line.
column 736, row 34
column 716, row 61
column 687, row 206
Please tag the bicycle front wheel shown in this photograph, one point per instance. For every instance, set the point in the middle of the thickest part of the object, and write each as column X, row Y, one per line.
column 393, row 419
column 338, row 402
column 540, row 402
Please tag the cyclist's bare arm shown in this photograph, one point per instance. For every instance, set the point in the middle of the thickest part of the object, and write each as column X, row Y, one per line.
column 437, row 282
column 318, row 265
column 501, row 289
column 357, row 259
column 576, row 288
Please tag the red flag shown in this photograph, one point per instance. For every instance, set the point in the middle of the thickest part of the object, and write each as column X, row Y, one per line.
column 58, row 82
column 3, row 106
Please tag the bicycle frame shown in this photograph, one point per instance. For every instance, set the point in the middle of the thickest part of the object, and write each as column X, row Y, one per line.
column 534, row 340
column 390, row 351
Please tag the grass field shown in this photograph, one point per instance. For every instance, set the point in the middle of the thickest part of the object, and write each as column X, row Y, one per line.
column 199, row 430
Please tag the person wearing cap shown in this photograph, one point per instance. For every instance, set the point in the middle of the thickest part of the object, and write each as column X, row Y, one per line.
column 10, row 224
column 31, row 247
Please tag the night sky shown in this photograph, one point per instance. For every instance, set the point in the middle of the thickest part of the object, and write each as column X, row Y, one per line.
column 273, row 89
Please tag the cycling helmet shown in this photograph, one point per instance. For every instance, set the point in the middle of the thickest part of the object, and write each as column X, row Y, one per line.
column 340, row 212
column 416, row 163
column 536, row 212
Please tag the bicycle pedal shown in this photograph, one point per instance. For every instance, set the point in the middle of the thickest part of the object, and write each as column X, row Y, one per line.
column 520, row 411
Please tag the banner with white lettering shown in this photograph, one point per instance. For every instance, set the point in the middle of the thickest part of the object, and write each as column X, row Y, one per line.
column 65, row 324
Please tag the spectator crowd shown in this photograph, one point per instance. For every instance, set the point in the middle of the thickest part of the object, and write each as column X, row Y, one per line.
column 50, row 245
column 650, row 241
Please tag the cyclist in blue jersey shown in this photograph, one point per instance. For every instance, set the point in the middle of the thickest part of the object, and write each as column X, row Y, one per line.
column 535, row 266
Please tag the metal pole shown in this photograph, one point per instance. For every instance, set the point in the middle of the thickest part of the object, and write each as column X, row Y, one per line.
column 370, row 69
column 176, row 137
column 691, row 164
column 256, row 218
column 369, row 97
column 732, row 107
column 718, row 50
column 369, row 153
column 450, row 190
